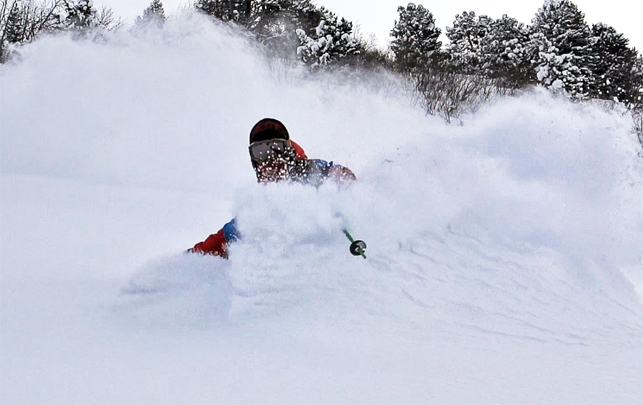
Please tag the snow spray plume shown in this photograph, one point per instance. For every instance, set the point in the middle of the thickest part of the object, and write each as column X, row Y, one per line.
column 534, row 169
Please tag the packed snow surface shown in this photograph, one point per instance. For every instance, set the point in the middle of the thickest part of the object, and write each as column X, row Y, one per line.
column 504, row 255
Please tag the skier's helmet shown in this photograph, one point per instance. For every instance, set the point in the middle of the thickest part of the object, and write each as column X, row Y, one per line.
column 268, row 128
column 271, row 153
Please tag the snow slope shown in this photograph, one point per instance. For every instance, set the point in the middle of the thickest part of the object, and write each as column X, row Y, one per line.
column 504, row 254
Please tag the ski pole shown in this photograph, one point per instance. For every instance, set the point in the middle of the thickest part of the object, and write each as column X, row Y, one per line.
column 357, row 247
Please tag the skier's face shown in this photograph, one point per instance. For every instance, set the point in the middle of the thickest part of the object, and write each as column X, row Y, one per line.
column 272, row 171
column 272, row 159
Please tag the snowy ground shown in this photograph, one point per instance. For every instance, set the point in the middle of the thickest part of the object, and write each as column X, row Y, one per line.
column 504, row 255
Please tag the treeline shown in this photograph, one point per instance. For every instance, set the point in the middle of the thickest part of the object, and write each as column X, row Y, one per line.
column 487, row 56
column 484, row 57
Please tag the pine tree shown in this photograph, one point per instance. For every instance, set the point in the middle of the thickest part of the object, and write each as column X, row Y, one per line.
column 415, row 38
column 504, row 53
column 614, row 73
column 562, row 42
column 238, row 11
column 466, row 37
column 496, row 49
column 81, row 16
column 153, row 14
column 275, row 24
column 14, row 30
column 636, row 105
column 333, row 42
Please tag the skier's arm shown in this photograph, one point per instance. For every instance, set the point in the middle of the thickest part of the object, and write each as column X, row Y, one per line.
column 217, row 243
column 323, row 170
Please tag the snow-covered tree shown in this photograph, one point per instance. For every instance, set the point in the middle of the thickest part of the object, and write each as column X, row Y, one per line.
column 81, row 15
column 613, row 66
column 497, row 49
column 15, row 26
column 275, row 22
column 636, row 105
column 561, row 39
column 258, row 16
column 239, row 11
column 415, row 37
column 466, row 36
column 154, row 14
column 504, row 52
column 333, row 41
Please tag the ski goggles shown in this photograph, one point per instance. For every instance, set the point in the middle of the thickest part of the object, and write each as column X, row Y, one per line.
column 264, row 151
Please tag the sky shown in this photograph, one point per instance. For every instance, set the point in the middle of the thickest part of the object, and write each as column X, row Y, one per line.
column 377, row 16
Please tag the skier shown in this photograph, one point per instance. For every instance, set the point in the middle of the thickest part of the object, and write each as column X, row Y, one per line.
column 275, row 158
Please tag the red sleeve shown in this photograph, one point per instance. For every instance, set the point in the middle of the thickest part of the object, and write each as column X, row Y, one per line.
column 215, row 244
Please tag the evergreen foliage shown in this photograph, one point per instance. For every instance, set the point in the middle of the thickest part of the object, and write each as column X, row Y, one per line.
column 505, row 54
column 276, row 22
column 497, row 49
column 635, row 104
column 415, row 38
column 562, row 40
column 154, row 14
column 81, row 16
column 332, row 43
column 613, row 66
column 238, row 11
column 269, row 21
column 487, row 57
column 14, row 32
column 466, row 37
